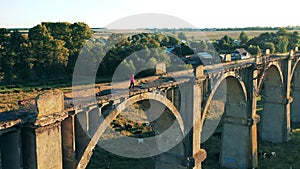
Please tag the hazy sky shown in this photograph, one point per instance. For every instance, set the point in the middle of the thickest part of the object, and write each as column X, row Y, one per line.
column 201, row 14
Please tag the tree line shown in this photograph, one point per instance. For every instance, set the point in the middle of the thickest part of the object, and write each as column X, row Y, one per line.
column 48, row 51
column 281, row 41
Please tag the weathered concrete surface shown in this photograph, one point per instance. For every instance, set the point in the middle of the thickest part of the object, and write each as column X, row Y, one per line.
column 42, row 136
column 50, row 103
column 235, row 139
column 43, row 147
column 273, row 118
column 46, row 148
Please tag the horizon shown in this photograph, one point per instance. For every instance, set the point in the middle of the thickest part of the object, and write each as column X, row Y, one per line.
column 217, row 28
column 200, row 14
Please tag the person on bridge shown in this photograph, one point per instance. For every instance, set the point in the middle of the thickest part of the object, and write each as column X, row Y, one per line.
column 131, row 81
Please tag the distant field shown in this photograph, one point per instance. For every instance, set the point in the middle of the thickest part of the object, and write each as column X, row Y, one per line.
column 196, row 35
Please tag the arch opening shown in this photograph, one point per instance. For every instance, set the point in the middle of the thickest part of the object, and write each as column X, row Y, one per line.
column 271, row 108
column 230, row 140
column 295, row 94
column 136, row 127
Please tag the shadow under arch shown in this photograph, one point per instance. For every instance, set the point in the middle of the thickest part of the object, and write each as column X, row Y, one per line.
column 295, row 94
column 169, row 136
column 235, row 137
column 272, row 126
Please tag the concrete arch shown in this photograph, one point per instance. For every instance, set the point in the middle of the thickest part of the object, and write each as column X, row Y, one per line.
column 270, row 67
column 271, row 89
column 118, row 109
column 294, row 67
column 215, row 88
column 234, row 151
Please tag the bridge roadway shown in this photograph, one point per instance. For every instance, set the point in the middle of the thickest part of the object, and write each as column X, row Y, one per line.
column 120, row 90
column 55, row 116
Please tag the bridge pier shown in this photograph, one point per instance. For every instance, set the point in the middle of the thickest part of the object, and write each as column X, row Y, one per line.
column 191, row 113
column 68, row 142
column 42, row 139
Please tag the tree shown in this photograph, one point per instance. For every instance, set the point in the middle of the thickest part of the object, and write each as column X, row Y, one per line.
column 282, row 32
column 181, row 36
column 269, row 45
column 80, row 33
column 48, row 54
column 243, row 38
column 253, row 50
column 282, row 44
column 294, row 40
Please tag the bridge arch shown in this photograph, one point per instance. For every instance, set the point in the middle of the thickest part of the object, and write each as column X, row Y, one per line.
column 167, row 136
column 271, row 89
column 294, row 67
column 273, row 67
column 295, row 94
column 234, row 147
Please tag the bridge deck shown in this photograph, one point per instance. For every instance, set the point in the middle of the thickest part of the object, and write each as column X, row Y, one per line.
column 119, row 90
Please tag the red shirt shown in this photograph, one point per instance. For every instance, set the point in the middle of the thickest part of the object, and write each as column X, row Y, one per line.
column 132, row 79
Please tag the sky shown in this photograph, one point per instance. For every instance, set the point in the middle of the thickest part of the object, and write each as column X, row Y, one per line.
column 199, row 13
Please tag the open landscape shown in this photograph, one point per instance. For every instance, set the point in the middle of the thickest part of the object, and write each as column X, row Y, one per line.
column 149, row 85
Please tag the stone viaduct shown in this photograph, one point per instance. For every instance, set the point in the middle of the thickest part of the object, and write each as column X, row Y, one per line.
column 57, row 133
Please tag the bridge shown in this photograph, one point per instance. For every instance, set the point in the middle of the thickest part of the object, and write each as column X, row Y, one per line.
column 56, row 132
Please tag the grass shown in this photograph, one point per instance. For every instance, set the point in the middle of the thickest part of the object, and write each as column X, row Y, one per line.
column 102, row 159
column 11, row 94
column 287, row 154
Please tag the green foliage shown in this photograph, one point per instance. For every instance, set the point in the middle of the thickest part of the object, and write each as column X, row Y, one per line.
column 151, row 46
column 269, row 45
column 281, row 41
column 253, row 50
column 45, row 53
column 282, row 44
column 243, row 38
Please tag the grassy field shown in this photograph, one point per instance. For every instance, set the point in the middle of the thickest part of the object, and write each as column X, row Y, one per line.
column 196, row 35
column 287, row 154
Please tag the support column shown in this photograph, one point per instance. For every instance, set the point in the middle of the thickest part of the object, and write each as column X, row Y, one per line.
column 170, row 95
column 252, row 90
column 68, row 142
column 288, row 100
column 176, row 100
column 94, row 121
column 81, row 133
column 191, row 114
column 43, row 138
column 199, row 154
